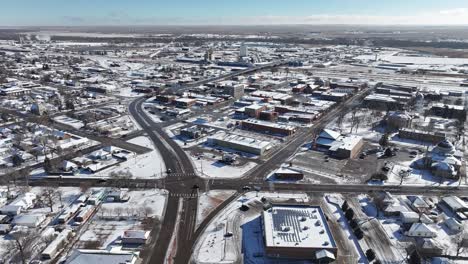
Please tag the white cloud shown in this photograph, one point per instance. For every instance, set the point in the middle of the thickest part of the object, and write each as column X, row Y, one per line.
column 456, row 12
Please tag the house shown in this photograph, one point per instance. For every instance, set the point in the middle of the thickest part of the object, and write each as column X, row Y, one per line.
column 117, row 195
column 455, row 205
column 421, row 230
column 28, row 220
column 418, row 204
column 454, row 225
column 135, row 237
column 5, row 229
column 288, row 174
column 21, row 203
column 90, row 256
column 444, row 160
column 68, row 166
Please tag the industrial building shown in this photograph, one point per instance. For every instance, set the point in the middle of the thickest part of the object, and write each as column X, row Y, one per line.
column 298, row 232
column 240, row 143
column 268, row 127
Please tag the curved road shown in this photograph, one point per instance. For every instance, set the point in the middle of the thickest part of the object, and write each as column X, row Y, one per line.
column 177, row 161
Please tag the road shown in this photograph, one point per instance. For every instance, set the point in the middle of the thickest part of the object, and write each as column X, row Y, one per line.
column 182, row 179
column 178, row 163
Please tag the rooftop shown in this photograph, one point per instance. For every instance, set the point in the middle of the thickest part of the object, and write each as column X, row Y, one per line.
column 297, row 226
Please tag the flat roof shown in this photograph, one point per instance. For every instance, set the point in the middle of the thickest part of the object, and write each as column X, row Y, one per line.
column 269, row 124
column 296, row 226
column 242, row 140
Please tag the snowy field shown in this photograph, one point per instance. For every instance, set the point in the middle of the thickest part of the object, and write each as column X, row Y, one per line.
column 392, row 58
column 417, row 177
column 149, row 165
column 213, row 168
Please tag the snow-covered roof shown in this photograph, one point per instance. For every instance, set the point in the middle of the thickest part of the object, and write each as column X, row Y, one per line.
column 452, row 223
column 82, row 256
column 28, row 219
column 297, row 226
column 418, row 202
column 287, row 170
column 454, row 202
column 139, row 234
column 422, row 229
column 346, row 142
column 329, row 134
column 324, row 254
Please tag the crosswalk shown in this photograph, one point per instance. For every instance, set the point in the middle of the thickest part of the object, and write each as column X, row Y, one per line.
column 185, row 195
column 180, row 174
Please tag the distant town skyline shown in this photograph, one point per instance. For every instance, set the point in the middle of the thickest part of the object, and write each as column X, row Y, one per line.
column 240, row 12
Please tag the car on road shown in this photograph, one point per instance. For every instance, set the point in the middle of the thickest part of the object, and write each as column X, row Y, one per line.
column 168, row 171
column 246, row 188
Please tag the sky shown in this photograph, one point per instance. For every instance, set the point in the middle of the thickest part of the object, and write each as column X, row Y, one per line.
column 232, row 12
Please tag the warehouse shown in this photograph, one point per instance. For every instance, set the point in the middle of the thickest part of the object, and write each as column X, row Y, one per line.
column 268, row 127
column 298, row 232
column 240, row 143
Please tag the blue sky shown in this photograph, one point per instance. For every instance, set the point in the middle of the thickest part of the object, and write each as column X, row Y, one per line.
column 150, row 12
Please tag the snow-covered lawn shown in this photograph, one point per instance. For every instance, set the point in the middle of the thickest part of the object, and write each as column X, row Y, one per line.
column 211, row 168
column 417, row 177
column 148, row 165
column 208, row 201
column 139, row 200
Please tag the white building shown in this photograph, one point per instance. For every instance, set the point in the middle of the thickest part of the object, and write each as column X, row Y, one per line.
column 421, row 230
column 298, row 232
column 28, row 220
column 244, row 51
column 240, row 143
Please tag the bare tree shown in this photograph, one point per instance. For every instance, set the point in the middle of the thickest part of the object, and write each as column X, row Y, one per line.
column 21, row 242
column 339, row 119
column 403, row 175
column 48, row 196
column 84, row 187
column 461, row 241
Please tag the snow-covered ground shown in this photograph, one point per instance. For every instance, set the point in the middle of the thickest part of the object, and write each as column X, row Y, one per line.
column 361, row 125
column 148, row 165
column 392, row 58
column 333, row 202
column 213, row 168
column 417, row 177
column 208, row 201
